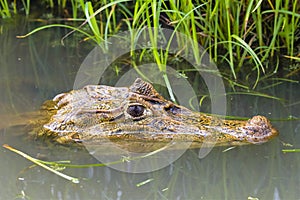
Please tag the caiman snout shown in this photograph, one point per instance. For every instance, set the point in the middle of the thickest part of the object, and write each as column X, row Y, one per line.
column 259, row 129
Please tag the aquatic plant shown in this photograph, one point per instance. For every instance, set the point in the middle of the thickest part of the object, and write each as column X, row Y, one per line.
column 4, row 9
column 235, row 33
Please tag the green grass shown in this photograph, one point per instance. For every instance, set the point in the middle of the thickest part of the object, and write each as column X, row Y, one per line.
column 232, row 32
column 4, row 9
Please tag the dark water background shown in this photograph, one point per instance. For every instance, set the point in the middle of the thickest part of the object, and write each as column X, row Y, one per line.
column 37, row 68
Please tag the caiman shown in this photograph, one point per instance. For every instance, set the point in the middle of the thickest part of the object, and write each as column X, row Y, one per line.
column 138, row 118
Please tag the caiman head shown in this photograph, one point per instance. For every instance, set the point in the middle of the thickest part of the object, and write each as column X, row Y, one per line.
column 138, row 114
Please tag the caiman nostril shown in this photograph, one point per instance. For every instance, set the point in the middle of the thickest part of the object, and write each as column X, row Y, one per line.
column 259, row 121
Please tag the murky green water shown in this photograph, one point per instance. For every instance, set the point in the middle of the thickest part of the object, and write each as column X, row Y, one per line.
column 35, row 69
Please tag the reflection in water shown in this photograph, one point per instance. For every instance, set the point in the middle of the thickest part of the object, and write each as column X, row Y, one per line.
column 35, row 69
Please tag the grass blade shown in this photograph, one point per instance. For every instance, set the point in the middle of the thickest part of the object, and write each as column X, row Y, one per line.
column 36, row 161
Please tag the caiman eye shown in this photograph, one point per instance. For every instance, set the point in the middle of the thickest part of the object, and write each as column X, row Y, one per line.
column 136, row 111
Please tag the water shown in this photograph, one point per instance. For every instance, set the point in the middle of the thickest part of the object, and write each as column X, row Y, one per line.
column 37, row 68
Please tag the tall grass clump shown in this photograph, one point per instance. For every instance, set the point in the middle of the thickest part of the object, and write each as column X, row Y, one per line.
column 235, row 33
column 4, row 9
column 7, row 8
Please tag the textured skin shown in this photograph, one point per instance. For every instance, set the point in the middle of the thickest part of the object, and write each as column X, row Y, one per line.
column 139, row 115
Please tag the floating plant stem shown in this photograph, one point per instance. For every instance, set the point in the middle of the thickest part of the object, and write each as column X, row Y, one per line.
column 37, row 162
column 291, row 150
column 64, row 164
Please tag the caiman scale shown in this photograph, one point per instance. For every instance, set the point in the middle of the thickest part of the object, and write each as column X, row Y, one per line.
column 139, row 116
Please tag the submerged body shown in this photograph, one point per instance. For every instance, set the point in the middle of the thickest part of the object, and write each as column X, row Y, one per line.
column 138, row 116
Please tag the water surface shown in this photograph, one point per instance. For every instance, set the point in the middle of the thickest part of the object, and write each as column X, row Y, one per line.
column 37, row 68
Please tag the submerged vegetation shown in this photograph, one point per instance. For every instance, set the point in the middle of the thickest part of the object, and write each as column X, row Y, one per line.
column 244, row 36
